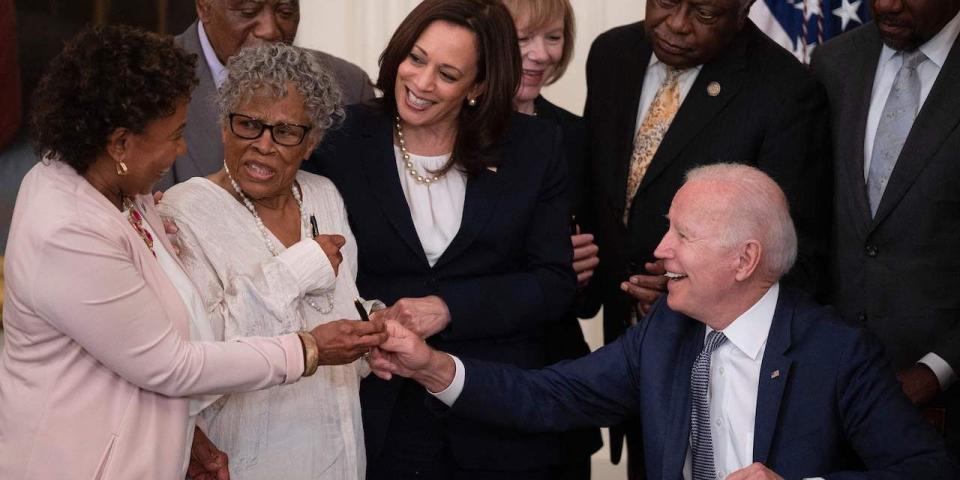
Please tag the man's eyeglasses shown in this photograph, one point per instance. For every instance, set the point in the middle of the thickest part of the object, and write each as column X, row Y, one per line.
column 249, row 128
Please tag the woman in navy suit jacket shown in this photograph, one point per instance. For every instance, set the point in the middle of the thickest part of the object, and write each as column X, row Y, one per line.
column 459, row 209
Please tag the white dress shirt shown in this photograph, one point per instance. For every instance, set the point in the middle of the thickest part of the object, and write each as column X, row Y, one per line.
column 217, row 69
column 436, row 209
column 734, row 382
column 936, row 49
column 653, row 78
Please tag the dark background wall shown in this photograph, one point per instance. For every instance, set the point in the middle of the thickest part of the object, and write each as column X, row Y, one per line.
column 39, row 30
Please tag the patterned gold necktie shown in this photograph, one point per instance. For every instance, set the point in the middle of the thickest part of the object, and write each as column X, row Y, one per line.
column 664, row 107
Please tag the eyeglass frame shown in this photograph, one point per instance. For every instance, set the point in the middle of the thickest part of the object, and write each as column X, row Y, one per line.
column 266, row 126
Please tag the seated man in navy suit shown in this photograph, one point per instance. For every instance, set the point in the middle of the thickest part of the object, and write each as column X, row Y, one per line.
column 732, row 375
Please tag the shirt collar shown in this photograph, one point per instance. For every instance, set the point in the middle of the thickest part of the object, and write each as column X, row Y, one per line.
column 217, row 69
column 937, row 48
column 750, row 330
column 655, row 63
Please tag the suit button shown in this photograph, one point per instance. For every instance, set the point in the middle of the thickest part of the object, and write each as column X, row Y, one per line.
column 872, row 250
column 862, row 318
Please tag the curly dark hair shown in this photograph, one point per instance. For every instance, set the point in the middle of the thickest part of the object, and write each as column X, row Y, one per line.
column 107, row 78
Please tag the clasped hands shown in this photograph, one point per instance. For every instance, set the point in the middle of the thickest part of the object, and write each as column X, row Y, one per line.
column 343, row 341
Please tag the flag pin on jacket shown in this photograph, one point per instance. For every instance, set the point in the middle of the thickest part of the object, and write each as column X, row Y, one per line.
column 775, row 374
column 713, row 89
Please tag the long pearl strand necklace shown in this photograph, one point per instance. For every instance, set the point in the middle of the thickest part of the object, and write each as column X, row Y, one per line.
column 266, row 235
column 408, row 163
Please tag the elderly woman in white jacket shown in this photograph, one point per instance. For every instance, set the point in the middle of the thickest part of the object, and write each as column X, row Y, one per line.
column 248, row 237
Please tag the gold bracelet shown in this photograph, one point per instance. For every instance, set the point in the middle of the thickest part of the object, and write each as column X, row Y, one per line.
column 311, row 353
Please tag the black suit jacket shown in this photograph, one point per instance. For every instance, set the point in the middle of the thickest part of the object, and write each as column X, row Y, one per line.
column 506, row 277
column 575, row 151
column 897, row 273
column 770, row 113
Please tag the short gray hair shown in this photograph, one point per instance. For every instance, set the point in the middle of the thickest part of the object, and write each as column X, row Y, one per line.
column 757, row 208
column 274, row 66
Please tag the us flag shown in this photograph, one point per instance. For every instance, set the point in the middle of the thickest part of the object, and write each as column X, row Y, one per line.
column 801, row 25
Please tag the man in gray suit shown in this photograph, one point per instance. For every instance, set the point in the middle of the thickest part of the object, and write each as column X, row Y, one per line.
column 895, row 111
column 222, row 29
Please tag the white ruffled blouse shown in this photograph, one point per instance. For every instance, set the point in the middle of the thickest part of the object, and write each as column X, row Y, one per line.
column 311, row 429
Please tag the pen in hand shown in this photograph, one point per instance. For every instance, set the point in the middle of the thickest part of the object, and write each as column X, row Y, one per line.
column 362, row 311
column 313, row 225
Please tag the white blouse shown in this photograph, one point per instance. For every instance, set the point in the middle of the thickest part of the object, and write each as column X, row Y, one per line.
column 311, row 429
column 437, row 209
column 199, row 324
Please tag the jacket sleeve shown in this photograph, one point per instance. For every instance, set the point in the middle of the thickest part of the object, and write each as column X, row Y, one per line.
column 541, row 290
column 88, row 287
column 600, row 389
column 886, row 431
column 238, row 300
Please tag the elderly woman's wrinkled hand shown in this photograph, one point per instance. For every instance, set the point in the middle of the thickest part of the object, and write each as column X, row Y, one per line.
column 331, row 245
column 424, row 316
column 343, row 341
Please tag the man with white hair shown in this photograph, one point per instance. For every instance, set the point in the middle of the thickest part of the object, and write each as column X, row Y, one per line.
column 223, row 27
column 732, row 375
column 695, row 82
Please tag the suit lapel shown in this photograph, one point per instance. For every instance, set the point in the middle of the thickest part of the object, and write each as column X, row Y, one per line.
column 482, row 196
column 774, row 375
column 935, row 121
column 380, row 169
column 678, row 429
column 856, row 108
column 205, row 146
column 632, row 71
column 699, row 108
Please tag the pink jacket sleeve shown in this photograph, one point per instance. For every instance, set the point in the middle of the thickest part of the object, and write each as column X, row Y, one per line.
column 87, row 284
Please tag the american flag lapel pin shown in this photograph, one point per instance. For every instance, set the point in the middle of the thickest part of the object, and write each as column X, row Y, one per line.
column 775, row 374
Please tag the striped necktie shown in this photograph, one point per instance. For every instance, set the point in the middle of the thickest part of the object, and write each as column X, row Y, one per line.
column 701, row 440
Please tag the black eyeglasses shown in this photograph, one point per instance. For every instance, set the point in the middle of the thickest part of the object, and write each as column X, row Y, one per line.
column 249, row 128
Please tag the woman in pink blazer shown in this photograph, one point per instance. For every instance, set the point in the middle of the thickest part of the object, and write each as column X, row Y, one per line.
column 99, row 377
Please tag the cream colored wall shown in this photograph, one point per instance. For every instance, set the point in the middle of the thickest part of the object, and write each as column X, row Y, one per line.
column 357, row 30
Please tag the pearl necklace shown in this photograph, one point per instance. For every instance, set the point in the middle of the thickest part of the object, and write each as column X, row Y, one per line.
column 409, row 164
column 266, row 235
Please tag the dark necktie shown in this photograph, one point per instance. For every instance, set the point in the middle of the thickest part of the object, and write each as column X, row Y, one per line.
column 701, row 441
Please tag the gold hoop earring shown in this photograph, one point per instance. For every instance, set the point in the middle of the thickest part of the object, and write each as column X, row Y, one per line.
column 122, row 168
column 472, row 102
